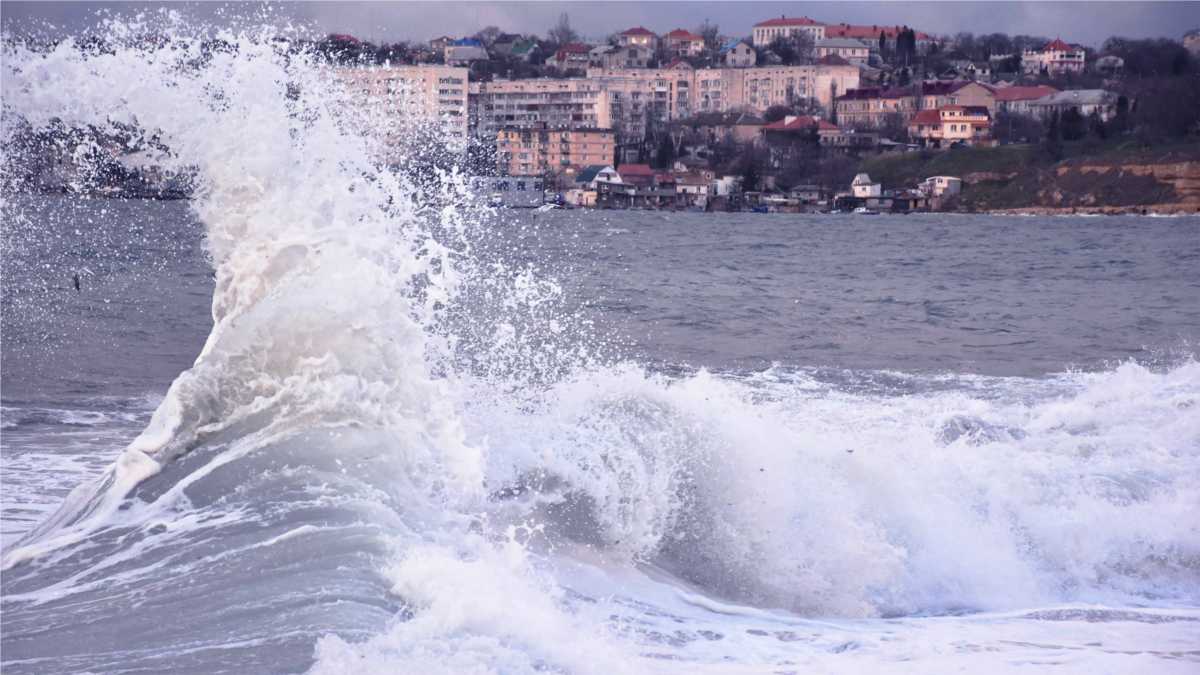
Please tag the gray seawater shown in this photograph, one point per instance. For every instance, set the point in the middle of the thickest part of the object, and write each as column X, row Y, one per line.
column 864, row 308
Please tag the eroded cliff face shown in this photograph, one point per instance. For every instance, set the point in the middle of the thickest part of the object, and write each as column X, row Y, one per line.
column 1080, row 186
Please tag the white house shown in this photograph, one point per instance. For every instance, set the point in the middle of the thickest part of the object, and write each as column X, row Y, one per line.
column 862, row 187
column 938, row 186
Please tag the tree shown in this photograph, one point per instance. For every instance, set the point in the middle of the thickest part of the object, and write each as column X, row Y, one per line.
column 905, row 78
column 776, row 113
column 1053, row 141
column 487, row 36
column 666, row 152
column 711, row 33
column 1073, row 124
column 883, row 45
column 562, row 34
column 833, row 119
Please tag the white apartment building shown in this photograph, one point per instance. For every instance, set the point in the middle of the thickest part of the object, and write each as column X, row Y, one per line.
column 767, row 31
column 400, row 105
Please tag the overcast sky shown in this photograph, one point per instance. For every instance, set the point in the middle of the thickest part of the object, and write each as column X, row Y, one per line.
column 1087, row 23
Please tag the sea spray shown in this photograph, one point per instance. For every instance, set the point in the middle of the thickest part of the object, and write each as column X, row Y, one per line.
column 397, row 446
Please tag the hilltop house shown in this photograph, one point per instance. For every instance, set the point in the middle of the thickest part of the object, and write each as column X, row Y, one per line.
column 737, row 54
column 638, row 37
column 1055, row 58
column 461, row 52
column 740, row 127
column 854, row 51
column 1016, row 100
column 1088, row 101
column 680, row 42
column 1105, row 63
column 952, row 125
column 768, row 31
column 570, row 57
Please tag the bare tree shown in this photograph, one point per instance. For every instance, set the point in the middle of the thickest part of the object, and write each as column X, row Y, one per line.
column 562, row 34
column 711, row 33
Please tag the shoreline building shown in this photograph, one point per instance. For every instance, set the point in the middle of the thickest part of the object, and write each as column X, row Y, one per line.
column 542, row 151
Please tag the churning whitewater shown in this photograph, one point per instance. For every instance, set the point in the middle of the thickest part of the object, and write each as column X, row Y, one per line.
column 399, row 452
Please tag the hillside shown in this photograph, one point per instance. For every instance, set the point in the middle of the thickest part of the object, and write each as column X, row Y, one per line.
column 1108, row 176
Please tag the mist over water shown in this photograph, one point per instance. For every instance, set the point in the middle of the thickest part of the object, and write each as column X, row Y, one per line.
column 321, row 419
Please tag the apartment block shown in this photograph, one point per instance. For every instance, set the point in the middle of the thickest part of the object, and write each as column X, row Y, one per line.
column 541, row 151
column 401, row 105
column 574, row 102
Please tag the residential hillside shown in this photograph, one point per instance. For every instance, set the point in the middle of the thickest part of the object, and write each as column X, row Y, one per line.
column 1110, row 177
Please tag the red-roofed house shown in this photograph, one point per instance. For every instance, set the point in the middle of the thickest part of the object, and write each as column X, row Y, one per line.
column 949, row 124
column 570, row 57
column 638, row 37
column 767, row 31
column 1017, row 99
column 870, row 35
column 1056, row 57
column 683, row 43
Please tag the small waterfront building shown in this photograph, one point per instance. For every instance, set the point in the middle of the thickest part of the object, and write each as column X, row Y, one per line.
column 941, row 186
column 863, row 187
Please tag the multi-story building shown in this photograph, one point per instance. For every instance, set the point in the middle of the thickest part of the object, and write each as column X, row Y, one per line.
column 937, row 94
column 1055, row 58
column 541, row 151
column 399, row 106
column 638, row 37
column 760, row 87
column 571, row 57
column 1016, row 100
column 952, row 124
column 767, row 31
column 870, row 106
column 854, row 51
column 680, row 42
column 573, row 102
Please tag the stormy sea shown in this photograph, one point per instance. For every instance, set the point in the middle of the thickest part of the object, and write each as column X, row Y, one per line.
column 326, row 417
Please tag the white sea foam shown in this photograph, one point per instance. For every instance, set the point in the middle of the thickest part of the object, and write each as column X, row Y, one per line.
column 569, row 516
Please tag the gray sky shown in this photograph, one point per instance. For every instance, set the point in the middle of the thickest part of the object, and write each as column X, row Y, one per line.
column 1087, row 23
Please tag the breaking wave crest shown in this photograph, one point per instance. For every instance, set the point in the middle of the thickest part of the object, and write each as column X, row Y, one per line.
column 400, row 450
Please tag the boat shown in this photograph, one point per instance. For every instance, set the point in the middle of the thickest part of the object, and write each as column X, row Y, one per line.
column 864, row 211
column 762, row 209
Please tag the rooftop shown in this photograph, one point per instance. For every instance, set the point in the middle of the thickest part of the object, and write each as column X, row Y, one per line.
column 846, row 42
column 727, row 119
column 639, row 31
column 1078, row 97
column 869, row 32
column 1024, row 93
column 832, row 60
column 804, row 122
column 784, row 21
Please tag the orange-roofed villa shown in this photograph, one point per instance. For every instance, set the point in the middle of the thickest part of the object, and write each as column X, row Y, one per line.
column 1055, row 58
column 952, row 125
